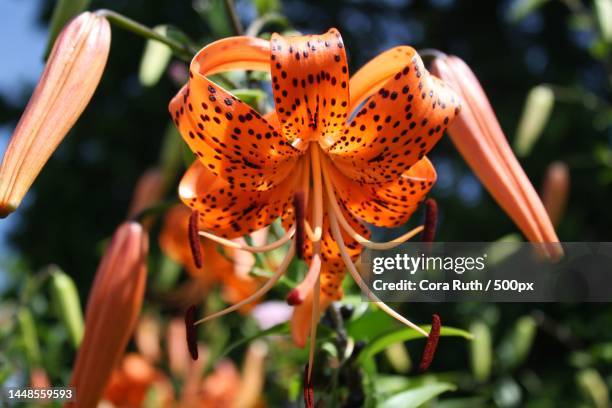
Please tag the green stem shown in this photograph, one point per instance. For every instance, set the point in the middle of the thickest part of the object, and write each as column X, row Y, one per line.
column 154, row 210
column 231, row 11
column 184, row 51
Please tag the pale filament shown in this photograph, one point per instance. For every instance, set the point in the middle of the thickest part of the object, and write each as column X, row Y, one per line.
column 316, row 315
column 260, row 292
column 351, row 231
column 244, row 247
column 317, row 190
column 335, row 229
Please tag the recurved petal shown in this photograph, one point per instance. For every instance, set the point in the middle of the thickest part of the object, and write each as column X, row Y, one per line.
column 373, row 75
column 386, row 204
column 310, row 84
column 481, row 141
column 233, row 53
column 226, row 209
column 68, row 82
column 397, row 125
column 229, row 137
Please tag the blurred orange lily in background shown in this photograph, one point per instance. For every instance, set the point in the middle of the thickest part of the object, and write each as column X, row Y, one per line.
column 68, row 82
column 230, row 269
column 137, row 380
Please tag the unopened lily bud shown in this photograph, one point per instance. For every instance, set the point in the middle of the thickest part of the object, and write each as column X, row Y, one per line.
column 65, row 88
column 114, row 304
column 555, row 190
column 149, row 190
column 479, row 138
column 536, row 113
column 253, row 375
column 67, row 304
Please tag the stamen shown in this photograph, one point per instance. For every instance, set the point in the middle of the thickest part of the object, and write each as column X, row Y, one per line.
column 194, row 240
column 316, row 314
column 432, row 344
column 244, row 247
column 318, row 193
column 308, row 388
column 259, row 293
column 190, row 332
column 335, row 229
column 298, row 209
column 351, row 231
column 431, row 220
column 297, row 295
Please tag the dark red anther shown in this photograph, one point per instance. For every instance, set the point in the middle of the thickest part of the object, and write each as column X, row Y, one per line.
column 432, row 344
column 190, row 331
column 299, row 209
column 294, row 298
column 308, row 390
column 431, row 220
column 194, row 239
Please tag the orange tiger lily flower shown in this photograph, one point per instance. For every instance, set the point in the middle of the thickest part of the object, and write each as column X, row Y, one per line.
column 112, row 311
column 68, row 82
column 348, row 163
column 481, row 141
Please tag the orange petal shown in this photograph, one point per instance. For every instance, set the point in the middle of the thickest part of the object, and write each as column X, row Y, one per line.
column 555, row 190
column 397, row 126
column 71, row 76
column 310, row 85
column 226, row 134
column 481, row 141
column 112, row 311
column 386, row 204
column 301, row 320
column 229, row 211
column 373, row 75
column 233, row 53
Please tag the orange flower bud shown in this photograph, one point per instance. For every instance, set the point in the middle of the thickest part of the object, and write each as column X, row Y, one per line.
column 67, row 84
column 149, row 191
column 479, row 138
column 112, row 312
column 555, row 190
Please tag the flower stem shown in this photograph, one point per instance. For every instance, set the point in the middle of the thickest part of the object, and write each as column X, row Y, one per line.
column 182, row 50
column 235, row 20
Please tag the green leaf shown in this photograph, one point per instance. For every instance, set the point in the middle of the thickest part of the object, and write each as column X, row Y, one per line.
column 267, row 6
column 155, row 59
column 282, row 328
column 522, row 8
column 536, row 114
column 603, row 13
column 406, row 334
column 481, row 351
column 594, row 387
column 67, row 305
column 515, row 347
column 63, row 12
column 417, row 396
column 29, row 335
